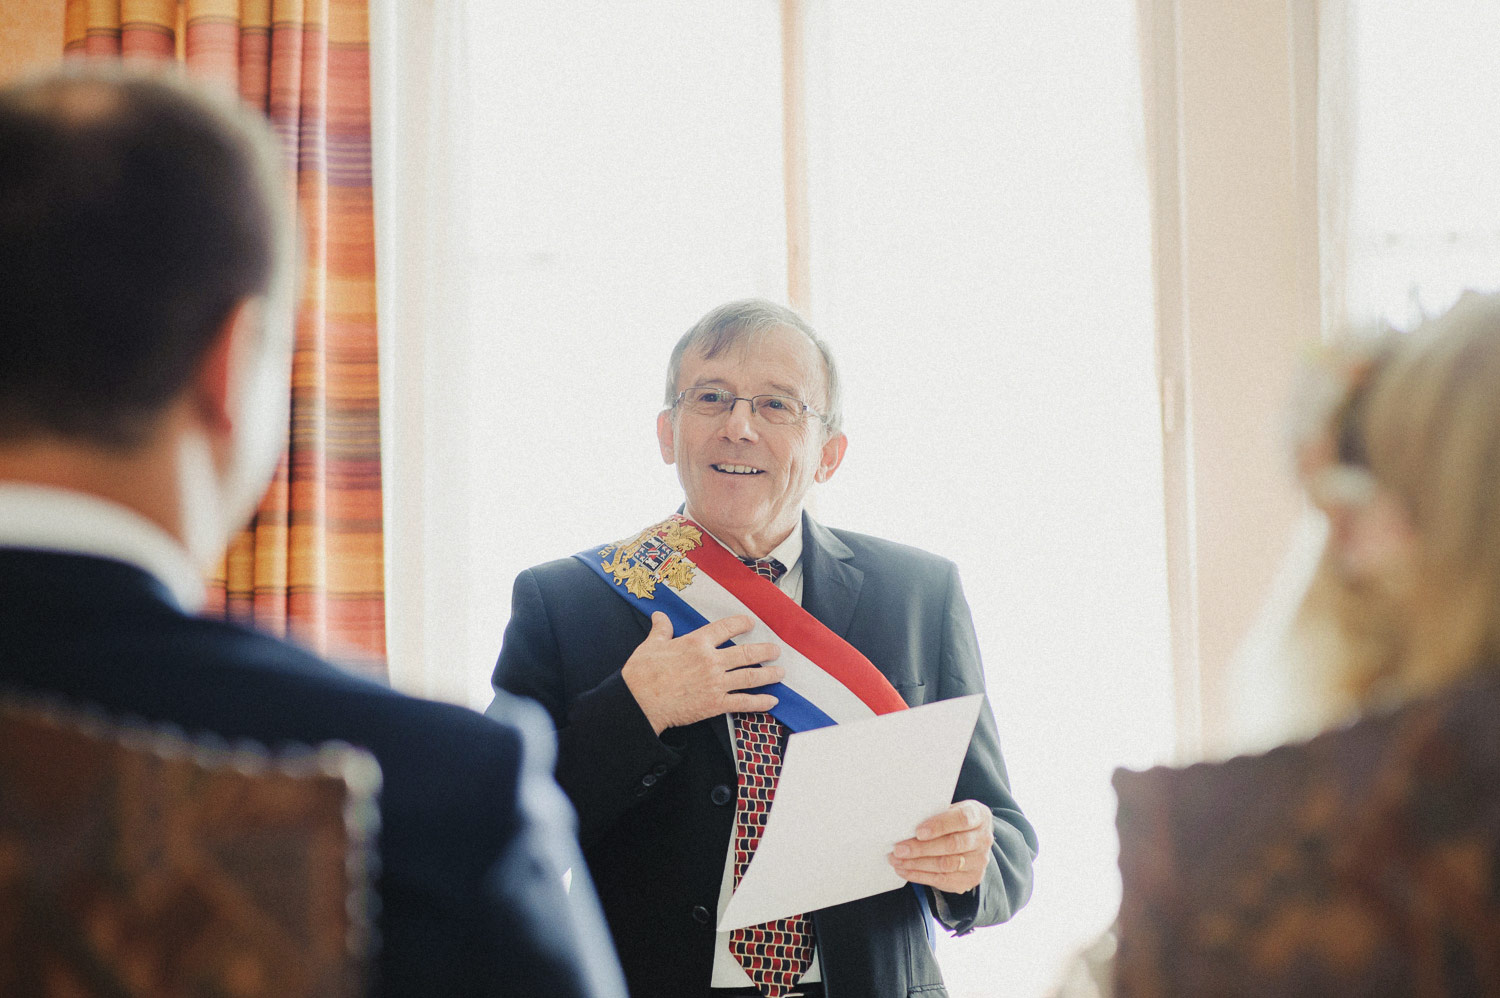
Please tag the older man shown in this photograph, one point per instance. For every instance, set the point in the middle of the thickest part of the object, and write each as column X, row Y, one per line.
column 145, row 352
column 666, row 746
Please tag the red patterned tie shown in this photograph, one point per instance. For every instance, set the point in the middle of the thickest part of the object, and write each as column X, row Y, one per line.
column 776, row 954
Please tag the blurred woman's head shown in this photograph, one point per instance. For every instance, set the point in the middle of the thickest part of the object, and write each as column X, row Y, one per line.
column 1405, row 461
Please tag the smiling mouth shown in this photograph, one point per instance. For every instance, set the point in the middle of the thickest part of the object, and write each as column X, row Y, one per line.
column 736, row 469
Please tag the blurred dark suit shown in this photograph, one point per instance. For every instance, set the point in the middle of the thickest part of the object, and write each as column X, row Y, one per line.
column 474, row 835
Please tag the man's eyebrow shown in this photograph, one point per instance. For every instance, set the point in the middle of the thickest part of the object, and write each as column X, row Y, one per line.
column 775, row 387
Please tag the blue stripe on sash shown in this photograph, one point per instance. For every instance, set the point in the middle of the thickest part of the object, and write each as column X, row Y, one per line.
column 792, row 708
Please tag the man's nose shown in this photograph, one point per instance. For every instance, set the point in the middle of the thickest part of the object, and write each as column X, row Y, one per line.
column 739, row 424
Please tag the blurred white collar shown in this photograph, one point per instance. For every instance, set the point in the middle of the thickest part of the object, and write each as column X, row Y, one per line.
column 50, row 519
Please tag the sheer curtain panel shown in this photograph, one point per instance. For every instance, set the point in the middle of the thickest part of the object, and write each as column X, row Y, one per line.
column 564, row 191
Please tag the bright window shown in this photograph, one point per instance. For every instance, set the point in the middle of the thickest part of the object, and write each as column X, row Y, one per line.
column 1424, row 219
column 981, row 242
column 591, row 184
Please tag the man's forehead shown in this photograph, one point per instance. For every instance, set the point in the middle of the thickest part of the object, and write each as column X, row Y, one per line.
column 778, row 358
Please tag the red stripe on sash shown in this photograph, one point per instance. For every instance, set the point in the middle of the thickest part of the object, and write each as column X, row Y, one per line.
column 797, row 627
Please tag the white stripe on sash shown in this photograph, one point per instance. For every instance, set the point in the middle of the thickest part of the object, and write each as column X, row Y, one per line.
column 825, row 692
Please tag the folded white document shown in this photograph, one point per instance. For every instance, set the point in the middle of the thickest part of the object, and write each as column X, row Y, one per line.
column 847, row 794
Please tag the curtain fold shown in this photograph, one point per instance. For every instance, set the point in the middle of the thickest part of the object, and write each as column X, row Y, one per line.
column 1248, row 128
column 310, row 565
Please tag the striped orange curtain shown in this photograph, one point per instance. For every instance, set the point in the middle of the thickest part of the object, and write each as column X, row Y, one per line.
column 310, row 566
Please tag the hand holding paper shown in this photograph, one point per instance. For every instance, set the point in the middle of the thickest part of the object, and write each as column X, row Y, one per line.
column 950, row 850
column 846, row 796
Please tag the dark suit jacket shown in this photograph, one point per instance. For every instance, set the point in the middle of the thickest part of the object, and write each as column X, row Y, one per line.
column 474, row 836
column 656, row 813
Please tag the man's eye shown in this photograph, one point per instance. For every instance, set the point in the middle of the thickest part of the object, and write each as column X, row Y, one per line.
column 775, row 402
column 712, row 396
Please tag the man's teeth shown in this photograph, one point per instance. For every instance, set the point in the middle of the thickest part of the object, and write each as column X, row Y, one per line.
column 737, row 469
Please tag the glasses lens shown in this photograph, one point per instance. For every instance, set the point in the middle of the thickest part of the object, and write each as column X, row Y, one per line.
column 780, row 409
column 707, row 401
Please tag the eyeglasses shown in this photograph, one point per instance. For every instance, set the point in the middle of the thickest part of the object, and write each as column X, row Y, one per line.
column 778, row 410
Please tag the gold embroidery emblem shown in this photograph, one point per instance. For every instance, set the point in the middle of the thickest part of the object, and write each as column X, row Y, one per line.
column 654, row 555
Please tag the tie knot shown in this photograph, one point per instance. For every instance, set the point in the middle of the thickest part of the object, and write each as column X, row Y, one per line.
column 766, row 568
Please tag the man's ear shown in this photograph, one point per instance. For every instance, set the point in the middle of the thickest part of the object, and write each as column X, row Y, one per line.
column 664, row 436
column 831, row 456
column 222, row 369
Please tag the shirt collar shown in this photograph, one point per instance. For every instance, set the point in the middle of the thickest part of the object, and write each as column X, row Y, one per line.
column 50, row 519
column 788, row 552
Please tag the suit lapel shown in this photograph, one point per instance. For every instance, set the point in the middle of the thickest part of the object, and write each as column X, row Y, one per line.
column 720, row 724
column 830, row 585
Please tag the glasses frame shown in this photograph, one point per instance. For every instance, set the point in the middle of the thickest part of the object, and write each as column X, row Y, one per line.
column 734, row 400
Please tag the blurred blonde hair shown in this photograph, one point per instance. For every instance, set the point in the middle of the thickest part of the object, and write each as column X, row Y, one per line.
column 1422, row 417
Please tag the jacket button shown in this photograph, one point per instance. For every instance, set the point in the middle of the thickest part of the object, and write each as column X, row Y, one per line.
column 700, row 914
column 660, row 769
column 648, row 780
column 720, row 795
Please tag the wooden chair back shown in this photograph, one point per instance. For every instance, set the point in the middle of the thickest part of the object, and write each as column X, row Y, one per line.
column 1364, row 862
column 135, row 861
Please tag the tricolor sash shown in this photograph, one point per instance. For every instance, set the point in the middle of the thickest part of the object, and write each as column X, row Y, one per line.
column 677, row 568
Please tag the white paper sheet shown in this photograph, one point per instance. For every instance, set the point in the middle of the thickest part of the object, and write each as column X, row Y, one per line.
column 847, row 794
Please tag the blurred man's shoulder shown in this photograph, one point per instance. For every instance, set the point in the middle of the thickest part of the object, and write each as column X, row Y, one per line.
column 217, row 677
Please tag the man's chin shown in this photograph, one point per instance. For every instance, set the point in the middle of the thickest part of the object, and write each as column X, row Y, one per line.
column 720, row 515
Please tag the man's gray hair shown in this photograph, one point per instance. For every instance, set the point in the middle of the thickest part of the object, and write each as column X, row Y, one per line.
column 740, row 323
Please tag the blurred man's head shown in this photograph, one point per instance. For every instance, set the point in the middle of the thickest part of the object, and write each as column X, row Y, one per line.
column 145, row 311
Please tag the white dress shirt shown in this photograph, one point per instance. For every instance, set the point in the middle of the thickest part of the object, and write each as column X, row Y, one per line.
column 727, row 970
column 43, row 518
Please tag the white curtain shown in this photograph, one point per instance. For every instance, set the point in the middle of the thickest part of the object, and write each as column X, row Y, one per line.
column 981, row 264
column 563, row 190
column 1272, row 696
